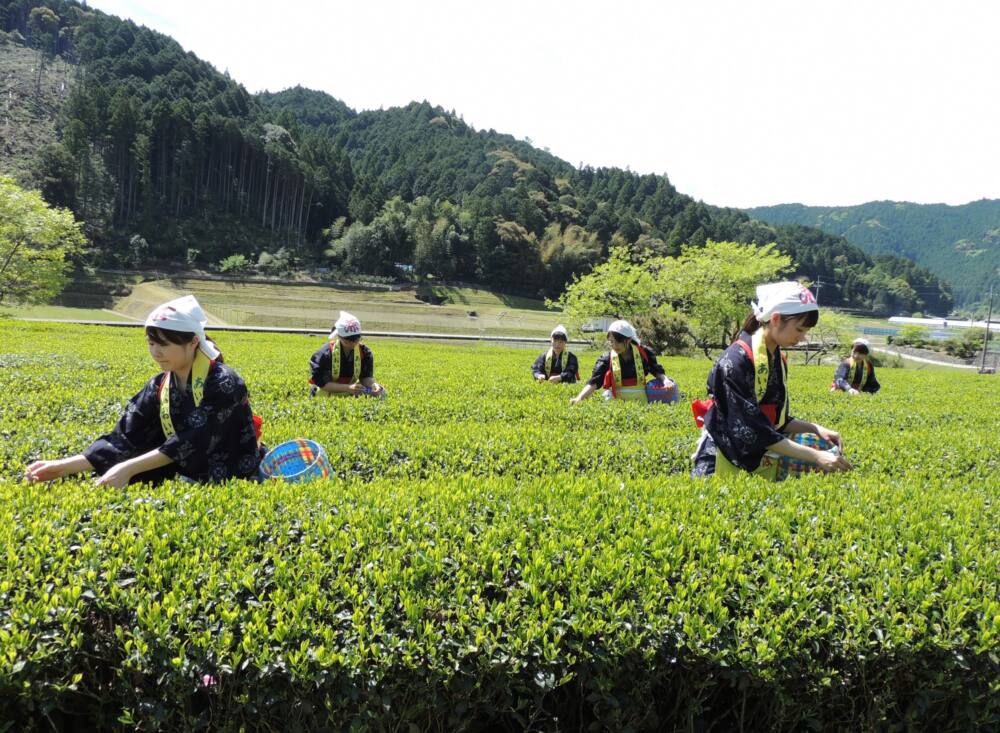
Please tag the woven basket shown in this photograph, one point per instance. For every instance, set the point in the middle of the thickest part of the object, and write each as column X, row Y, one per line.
column 297, row 461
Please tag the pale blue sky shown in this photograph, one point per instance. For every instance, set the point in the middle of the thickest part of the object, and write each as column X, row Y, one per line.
column 740, row 102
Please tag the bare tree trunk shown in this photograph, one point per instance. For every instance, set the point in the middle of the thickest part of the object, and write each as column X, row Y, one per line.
column 274, row 195
column 267, row 181
column 303, row 213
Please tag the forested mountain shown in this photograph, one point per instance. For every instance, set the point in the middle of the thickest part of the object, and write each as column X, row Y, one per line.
column 960, row 244
column 165, row 158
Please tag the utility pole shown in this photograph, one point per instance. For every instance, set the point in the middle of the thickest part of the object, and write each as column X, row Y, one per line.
column 986, row 338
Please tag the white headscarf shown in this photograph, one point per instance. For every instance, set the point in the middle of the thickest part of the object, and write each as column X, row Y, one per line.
column 559, row 330
column 862, row 342
column 787, row 299
column 184, row 314
column 346, row 325
column 625, row 329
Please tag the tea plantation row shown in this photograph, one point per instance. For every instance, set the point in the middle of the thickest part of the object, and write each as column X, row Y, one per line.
column 489, row 557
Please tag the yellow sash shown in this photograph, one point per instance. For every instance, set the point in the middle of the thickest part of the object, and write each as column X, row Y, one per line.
column 852, row 373
column 550, row 355
column 762, row 373
column 640, row 376
column 335, row 352
column 199, row 373
column 768, row 468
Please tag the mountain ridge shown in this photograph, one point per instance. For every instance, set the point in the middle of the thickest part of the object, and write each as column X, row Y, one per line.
column 959, row 243
column 165, row 158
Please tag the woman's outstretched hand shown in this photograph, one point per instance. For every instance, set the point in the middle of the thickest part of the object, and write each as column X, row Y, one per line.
column 117, row 477
column 45, row 470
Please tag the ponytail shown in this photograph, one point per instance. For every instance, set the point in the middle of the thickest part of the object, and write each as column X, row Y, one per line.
column 219, row 359
column 751, row 324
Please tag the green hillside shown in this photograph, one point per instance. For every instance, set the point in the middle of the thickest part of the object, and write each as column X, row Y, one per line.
column 167, row 160
column 31, row 101
column 960, row 244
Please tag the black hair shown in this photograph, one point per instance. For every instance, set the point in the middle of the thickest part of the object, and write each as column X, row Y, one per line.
column 860, row 347
column 163, row 336
column 559, row 337
column 808, row 319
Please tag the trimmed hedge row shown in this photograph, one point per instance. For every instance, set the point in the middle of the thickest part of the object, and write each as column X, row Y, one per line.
column 567, row 574
column 459, row 602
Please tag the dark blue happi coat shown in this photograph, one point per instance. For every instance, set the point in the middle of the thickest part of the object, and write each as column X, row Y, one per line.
column 212, row 442
column 842, row 378
column 567, row 370
column 735, row 424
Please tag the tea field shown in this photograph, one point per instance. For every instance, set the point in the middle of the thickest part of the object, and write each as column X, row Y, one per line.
column 489, row 558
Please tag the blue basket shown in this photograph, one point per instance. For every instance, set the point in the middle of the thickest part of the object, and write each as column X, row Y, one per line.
column 296, row 461
column 656, row 392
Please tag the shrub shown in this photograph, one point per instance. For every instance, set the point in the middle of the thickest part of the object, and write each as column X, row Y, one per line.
column 911, row 335
column 664, row 333
column 234, row 264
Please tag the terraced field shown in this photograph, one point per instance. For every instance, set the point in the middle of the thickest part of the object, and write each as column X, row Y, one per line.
column 461, row 310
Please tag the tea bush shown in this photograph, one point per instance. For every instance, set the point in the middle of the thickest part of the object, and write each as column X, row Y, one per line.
column 490, row 558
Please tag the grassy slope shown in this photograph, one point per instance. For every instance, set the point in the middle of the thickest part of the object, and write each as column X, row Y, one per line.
column 27, row 116
column 62, row 313
column 317, row 307
column 260, row 304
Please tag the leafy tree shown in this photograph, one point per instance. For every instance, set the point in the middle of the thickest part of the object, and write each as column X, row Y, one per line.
column 967, row 343
column 54, row 174
column 36, row 242
column 274, row 264
column 234, row 264
column 666, row 333
column 709, row 286
column 437, row 237
column 911, row 335
column 356, row 250
column 713, row 285
column 617, row 288
column 567, row 251
column 834, row 331
column 138, row 248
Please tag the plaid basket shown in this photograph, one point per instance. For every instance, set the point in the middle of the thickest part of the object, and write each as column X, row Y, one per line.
column 297, row 461
column 793, row 467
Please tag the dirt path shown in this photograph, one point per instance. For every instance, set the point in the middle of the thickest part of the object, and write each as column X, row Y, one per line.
column 923, row 360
